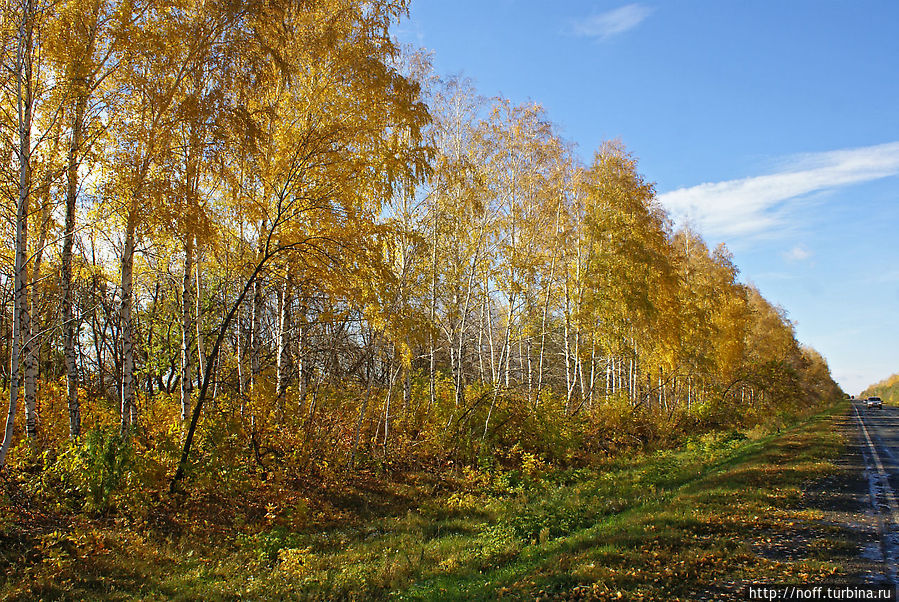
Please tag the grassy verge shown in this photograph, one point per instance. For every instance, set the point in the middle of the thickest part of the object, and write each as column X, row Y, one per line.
column 702, row 519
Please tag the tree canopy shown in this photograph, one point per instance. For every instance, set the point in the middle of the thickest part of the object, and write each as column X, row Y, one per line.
column 261, row 234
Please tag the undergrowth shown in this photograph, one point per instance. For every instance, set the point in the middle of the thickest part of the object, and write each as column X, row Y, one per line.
column 658, row 524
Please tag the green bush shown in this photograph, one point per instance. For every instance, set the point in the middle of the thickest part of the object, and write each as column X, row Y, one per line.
column 93, row 470
column 550, row 518
column 497, row 544
column 266, row 546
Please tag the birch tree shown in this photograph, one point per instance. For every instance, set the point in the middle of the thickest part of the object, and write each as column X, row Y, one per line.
column 23, row 85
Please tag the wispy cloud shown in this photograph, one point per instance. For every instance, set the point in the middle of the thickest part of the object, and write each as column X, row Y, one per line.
column 614, row 22
column 750, row 206
column 797, row 253
column 410, row 31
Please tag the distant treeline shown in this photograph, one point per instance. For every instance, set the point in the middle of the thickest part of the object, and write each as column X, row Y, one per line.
column 887, row 389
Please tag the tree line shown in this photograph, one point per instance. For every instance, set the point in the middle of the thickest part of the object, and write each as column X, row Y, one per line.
column 887, row 389
column 266, row 219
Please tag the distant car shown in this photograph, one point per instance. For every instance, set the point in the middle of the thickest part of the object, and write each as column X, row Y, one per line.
column 874, row 402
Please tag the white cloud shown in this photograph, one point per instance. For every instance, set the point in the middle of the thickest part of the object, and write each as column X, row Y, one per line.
column 612, row 23
column 410, row 33
column 751, row 206
column 798, row 253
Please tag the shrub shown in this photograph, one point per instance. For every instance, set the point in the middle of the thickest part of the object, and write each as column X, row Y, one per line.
column 93, row 470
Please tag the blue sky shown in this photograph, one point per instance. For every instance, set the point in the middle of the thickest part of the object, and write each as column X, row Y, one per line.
column 771, row 126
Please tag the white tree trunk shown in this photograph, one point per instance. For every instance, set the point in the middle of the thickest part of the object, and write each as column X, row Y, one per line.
column 201, row 353
column 187, row 304
column 68, row 314
column 481, row 326
column 26, row 103
column 507, row 342
column 32, row 346
column 256, row 327
column 239, row 353
column 569, row 381
column 302, row 367
column 552, row 269
column 125, row 318
column 460, row 366
column 20, row 280
column 494, row 374
column 432, row 366
column 283, row 326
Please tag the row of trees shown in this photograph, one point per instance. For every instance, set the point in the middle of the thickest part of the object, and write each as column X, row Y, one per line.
column 887, row 389
column 267, row 206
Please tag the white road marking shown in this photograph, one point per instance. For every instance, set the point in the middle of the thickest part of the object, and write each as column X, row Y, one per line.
column 887, row 490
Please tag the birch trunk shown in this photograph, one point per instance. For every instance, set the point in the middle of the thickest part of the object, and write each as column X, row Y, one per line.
column 507, row 339
column 460, row 367
column 530, row 372
column 31, row 348
column 407, row 393
column 302, row 368
column 26, row 104
column 569, row 382
column 127, row 407
column 283, row 327
column 68, row 314
column 481, row 325
column 20, row 304
column 552, row 269
column 689, row 392
column 609, row 389
column 630, row 380
column 592, row 374
column 579, row 365
column 239, row 352
column 187, row 303
column 494, row 374
column 201, row 353
column 393, row 377
column 549, row 284
column 432, row 367
column 255, row 334
column 256, row 326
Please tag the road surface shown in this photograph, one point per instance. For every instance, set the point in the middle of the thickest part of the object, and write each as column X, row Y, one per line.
column 878, row 441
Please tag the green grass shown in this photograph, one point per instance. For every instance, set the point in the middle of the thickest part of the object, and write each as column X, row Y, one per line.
column 658, row 526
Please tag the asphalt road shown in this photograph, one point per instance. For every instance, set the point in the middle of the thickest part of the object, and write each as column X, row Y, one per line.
column 879, row 443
